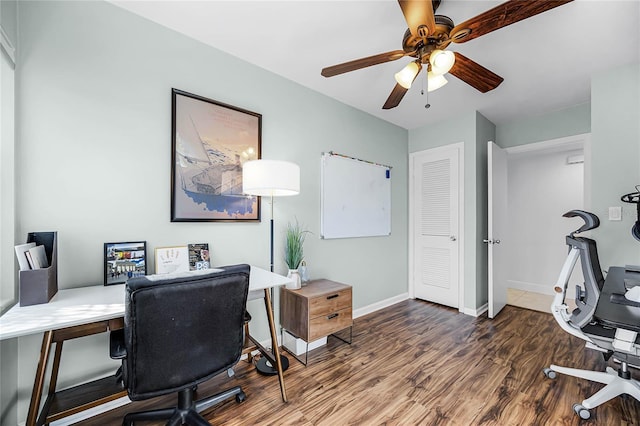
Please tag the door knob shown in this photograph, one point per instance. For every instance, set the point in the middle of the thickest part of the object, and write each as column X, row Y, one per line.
column 487, row 241
column 496, row 242
column 452, row 238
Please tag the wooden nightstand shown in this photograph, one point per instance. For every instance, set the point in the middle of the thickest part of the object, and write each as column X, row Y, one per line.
column 319, row 309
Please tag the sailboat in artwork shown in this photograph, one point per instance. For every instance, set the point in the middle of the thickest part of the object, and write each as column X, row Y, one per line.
column 208, row 175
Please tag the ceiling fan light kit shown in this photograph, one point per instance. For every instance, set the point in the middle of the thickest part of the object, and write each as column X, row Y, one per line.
column 427, row 37
column 406, row 75
column 441, row 61
column 435, row 81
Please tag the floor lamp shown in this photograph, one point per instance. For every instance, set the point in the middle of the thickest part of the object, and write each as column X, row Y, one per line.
column 270, row 178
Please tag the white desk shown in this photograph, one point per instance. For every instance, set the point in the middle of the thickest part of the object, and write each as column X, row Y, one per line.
column 90, row 310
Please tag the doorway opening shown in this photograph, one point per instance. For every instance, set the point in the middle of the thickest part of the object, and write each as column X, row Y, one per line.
column 545, row 180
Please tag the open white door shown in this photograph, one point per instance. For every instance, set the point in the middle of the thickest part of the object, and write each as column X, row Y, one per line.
column 498, row 248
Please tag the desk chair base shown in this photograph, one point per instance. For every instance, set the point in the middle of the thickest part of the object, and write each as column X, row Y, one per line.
column 187, row 411
column 617, row 383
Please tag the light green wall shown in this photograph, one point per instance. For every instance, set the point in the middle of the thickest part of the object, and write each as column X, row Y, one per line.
column 8, row 19
column 93, row 159
column 8, row 349
column 615, row 160
column 575, row 120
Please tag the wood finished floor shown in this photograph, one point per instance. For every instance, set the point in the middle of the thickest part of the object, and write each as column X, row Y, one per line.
column 417, row 363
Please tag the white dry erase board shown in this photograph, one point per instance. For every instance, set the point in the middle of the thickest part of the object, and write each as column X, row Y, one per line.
column 355, row 198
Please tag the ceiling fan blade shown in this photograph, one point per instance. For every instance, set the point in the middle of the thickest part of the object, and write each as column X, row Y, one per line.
column 419, row 17
column 475, row 74
column 395, row 97
column 501, row 16
column 364, row 62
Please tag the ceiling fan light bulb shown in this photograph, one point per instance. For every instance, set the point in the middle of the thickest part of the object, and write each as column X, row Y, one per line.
column 436, row 81
column 407, row 74
column 441, row 61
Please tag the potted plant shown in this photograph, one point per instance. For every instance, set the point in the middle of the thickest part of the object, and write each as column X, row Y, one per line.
column 293, row 252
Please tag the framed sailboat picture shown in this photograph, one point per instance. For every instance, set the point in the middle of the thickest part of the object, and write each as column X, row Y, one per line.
column 210, row 143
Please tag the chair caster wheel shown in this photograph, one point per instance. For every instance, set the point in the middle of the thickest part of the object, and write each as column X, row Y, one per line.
column 240, row 397
column 581, row 411
column 549, row 373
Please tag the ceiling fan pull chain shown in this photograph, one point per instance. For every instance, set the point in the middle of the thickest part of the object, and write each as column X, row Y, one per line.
column 427, row 105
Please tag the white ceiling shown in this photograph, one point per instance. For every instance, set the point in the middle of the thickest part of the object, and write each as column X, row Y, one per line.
column 546, row 61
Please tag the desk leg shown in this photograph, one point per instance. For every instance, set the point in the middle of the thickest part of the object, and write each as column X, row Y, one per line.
column 55, row 368
column 38, row 385
column 274, row 342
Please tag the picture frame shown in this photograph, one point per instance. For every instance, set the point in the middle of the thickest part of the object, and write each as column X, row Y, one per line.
column 172, row 259
column 199, row 256
column 124, row 260
column 210, row 141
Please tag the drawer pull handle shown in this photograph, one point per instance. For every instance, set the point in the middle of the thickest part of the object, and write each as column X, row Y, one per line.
column 333, row 296
column 332, row 316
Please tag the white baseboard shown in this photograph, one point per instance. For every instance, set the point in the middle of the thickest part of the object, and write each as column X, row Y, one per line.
column 83, row 415
column 404, row 296
column 379, row 305
column 540, row 288
column 476, row 312
column 532, row 287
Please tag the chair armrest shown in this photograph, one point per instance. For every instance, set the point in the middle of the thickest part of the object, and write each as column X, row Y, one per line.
column 621, row 300
column 117, row 349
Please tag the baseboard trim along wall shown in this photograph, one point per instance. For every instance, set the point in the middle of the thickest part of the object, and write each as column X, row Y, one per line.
column 379, row 305
column 540, row 288
column 83, row 415
column 478, row 311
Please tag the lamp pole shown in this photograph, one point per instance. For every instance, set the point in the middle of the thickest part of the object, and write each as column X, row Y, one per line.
column 271, row 232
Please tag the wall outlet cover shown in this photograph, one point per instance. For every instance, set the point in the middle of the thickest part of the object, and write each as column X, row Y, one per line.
column 615, row 213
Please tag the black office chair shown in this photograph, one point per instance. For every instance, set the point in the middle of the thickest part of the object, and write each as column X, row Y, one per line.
column 582, row 323
column 181, row 330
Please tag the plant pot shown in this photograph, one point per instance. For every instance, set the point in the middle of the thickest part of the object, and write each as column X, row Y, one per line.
column 296, row 281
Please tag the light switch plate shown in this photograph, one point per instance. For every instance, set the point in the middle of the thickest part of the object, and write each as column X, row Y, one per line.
column 615, row 213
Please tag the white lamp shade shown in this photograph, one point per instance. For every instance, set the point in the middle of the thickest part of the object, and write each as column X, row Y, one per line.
column 435, row 81
column 406, row 75
column 270, row 178
column 441, row 61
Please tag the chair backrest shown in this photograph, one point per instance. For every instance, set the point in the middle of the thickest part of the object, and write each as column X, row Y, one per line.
column 587, row 298
column 183, row 329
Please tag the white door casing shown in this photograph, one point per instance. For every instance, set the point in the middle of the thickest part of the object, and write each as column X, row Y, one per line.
column 497, row 240
column 435, row 264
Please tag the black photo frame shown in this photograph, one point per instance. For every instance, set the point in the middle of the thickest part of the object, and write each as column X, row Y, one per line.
column 124, row 260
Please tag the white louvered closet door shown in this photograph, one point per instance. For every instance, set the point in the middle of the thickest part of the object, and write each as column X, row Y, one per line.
column 435, row 236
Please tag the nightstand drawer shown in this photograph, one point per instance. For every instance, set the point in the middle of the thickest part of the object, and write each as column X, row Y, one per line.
column 330, row 323
column 326, row 304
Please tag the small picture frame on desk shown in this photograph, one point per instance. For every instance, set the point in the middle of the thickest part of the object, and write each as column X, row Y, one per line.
column 123, row 261
column 172, row 259
column 199, row 257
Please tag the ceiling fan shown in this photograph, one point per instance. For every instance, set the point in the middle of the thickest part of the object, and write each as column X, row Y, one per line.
column 429, row 35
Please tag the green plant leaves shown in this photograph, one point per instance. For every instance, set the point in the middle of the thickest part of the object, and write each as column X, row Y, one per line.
column 293, row 250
